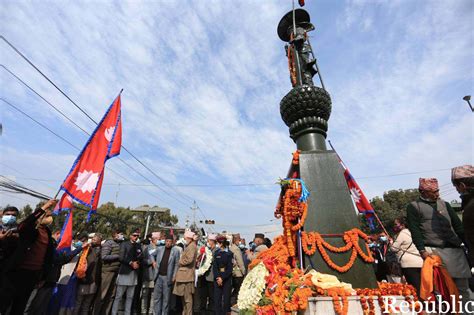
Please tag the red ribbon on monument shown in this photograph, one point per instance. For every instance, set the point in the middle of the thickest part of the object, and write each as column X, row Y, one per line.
column 84, row 181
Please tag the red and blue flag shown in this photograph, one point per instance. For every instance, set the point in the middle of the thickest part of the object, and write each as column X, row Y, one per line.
column 65, row 239
column 362, row 203
column 84, row 181
column 64, row 204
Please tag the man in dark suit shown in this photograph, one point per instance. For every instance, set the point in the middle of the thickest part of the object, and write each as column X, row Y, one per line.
column 130, row 258
column 166, row 258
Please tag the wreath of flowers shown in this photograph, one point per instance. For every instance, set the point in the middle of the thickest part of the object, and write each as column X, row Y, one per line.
column 206, row 264
column 313, row 241
column 252, row 287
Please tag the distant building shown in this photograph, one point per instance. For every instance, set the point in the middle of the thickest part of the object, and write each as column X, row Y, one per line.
column 457, row 207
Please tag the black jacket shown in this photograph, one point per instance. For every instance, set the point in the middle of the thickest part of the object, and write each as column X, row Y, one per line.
column 129, row 252
column 222, row 265
column 468, row 223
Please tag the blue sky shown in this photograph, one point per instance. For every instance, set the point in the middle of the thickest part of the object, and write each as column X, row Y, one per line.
column 202, row 84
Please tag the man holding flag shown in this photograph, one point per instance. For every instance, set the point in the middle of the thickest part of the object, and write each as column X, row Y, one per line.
column 31, row 261
column 34, row 256
column 62, row 256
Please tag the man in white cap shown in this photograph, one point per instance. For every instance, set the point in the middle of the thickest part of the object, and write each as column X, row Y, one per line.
column 462, row 178
column 436, row 229
column 184, row 282
column 206, row 281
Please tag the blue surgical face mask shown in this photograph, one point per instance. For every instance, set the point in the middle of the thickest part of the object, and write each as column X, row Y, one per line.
column 8, row 219
column 78, row 244
column 161, row 242
column 383, row 238
column 241, row 246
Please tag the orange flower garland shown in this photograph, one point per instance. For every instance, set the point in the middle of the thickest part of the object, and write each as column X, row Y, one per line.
column 287, row 288
column 385, row 289
column 313, row 241
column 82, row 264
column 294, row 213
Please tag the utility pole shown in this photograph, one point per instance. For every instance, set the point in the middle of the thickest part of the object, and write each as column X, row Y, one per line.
column 194, row 208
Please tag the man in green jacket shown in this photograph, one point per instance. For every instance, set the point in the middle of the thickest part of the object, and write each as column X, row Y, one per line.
column 436, row 229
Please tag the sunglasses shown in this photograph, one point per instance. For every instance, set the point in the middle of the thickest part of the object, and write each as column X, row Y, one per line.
column 135, row 235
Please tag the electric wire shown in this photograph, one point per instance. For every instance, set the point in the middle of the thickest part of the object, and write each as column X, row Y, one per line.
column 87, row 133
column 66, row 141
column 15, row 187
column 83, row 111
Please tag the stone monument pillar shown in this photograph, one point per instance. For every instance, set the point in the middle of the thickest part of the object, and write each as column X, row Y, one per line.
column 306, row 110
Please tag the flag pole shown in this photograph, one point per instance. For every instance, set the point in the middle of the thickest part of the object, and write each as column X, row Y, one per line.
column 375, row 213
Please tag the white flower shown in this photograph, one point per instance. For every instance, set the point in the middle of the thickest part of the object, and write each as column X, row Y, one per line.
column 86, row 181
column 207, row 262
column 252, row 287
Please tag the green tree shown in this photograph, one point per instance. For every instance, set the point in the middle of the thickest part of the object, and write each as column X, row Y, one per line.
column 110, row 218
column 390, row 206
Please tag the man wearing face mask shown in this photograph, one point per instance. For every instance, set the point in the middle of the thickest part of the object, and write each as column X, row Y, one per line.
column 436, row 229
column 8, row 234
column 206, row 281
column 259, row 241
column 166, row 259
column 110, row 266
column 31, row 260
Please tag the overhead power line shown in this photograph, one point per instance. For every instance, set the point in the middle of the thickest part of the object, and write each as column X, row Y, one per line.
column 87, row 133
column 87, row 115
column 182, row 195
column 69, row 143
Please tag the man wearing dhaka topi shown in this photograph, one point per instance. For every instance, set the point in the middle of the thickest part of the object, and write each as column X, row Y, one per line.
column 436, row 229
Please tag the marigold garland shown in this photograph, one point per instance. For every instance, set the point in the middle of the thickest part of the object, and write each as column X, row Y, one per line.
column 82, row 264
column 288, row 288
column 312, row 241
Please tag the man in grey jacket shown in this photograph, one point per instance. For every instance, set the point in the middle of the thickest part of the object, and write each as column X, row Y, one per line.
column 166, row 258
column 110, row 266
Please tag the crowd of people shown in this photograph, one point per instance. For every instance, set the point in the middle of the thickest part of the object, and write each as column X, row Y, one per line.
column 200, row 274
column 122, row 274
column 431, row 227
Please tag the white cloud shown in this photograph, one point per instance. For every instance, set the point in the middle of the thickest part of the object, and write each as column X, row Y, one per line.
column 203, row 80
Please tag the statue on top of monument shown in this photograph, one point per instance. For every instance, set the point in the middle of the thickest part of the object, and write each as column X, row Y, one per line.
column 299, row 52
column 307, row 107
